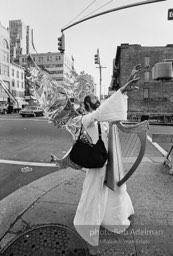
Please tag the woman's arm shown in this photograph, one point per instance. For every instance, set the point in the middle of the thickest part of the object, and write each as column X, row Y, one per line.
column 115, row 107
column 130, row 85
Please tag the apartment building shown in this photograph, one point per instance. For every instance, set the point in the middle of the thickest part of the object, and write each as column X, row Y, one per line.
column 17, row 85
column 57, row 65
column 4, row 65
column 21, row 40
column 154, row 99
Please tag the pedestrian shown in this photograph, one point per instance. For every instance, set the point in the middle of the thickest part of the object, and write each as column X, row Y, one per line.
column 98, row 205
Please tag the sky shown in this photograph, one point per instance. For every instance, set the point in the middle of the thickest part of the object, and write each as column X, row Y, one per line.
column 147, row 25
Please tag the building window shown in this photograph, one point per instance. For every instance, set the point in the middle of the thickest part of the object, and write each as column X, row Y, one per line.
column 59, row 79
column 22, row 84
column 12, row 71
column 5, row 70
column 147, row 61
column 21, row 94
column 17, row 84
column 17, row 72
column 14, row 92
column 5, row 56
column 57, row 57
column 58, row 65
column 147, row 76
column 5, row 44
column 146, row 93
column 22, row 75
column 55, row 71
column 13, row 83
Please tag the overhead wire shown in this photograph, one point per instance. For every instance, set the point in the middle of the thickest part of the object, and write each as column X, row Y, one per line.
column 98, row 8
column 82, row 12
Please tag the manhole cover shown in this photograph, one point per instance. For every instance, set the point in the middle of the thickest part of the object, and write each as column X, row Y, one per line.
column 47, row 240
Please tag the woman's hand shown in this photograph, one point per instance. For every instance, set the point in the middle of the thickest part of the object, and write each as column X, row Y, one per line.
column 134, row 72
column 130, row 86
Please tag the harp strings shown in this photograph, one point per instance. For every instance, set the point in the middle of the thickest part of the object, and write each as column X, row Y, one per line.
column 129, row 144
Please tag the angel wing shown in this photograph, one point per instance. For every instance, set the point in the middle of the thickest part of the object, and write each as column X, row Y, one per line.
column 56, row 99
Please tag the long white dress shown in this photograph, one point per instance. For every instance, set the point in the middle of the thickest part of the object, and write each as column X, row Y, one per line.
column 98, row 205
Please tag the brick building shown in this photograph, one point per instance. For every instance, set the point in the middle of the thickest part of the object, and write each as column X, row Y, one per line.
column 154, row 99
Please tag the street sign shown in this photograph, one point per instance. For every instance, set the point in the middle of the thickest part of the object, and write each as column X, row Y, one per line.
column 170, row 14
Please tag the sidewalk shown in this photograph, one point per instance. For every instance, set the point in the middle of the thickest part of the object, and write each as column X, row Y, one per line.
column 53, row 200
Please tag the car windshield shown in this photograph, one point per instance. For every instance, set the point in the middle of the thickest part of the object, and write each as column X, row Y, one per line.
column 31, row 108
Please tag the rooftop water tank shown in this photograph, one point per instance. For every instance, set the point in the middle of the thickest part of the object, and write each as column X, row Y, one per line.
column 163, row 71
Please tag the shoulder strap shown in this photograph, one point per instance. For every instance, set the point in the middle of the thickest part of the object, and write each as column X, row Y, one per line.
column 99, row 130
column 80, row 132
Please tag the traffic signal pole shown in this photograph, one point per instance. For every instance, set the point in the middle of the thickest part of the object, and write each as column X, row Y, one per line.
column 100, row 71
column 62, row 38
column 113, row 10
column 97, row 61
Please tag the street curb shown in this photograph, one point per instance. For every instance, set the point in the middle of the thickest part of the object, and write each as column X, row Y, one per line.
column 157, row 146
column 16, row 204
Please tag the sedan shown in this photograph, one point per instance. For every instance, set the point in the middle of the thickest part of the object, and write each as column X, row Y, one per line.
column 31, row 111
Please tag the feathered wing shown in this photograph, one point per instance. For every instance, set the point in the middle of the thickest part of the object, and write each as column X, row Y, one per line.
column 55, row 99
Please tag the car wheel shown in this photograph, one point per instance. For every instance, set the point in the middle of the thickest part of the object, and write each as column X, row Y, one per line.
column 23, row 115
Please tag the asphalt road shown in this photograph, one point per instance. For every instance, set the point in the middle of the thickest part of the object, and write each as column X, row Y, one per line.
column 13, row 177
column 32, row 140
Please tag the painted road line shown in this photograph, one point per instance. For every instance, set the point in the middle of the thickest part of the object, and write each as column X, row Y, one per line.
column 4, row 161
column 19, row 119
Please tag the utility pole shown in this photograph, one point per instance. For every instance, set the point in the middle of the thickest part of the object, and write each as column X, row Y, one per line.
column 97, row 61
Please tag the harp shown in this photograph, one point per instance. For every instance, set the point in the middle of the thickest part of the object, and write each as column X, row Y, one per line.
column 126, row 149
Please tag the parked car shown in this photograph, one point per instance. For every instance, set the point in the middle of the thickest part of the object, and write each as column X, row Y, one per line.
column 3, row 108
column 31, row 111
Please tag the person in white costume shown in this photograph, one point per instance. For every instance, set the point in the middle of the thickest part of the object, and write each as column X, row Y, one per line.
column 98, row 205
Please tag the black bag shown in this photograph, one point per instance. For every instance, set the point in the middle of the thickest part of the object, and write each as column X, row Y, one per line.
column 89, row 155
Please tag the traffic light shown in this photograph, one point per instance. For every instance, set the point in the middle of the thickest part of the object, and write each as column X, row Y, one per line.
column 97, row 57
column 61, row 43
